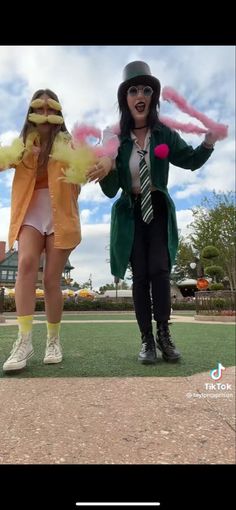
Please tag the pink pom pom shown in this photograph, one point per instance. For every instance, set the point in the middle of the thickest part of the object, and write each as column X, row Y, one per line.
column 161, row 151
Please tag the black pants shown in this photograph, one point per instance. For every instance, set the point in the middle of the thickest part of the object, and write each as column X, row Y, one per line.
column 150, row 265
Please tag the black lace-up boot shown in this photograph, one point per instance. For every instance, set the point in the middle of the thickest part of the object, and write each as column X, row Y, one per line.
column 148, row 353
column 165, row 343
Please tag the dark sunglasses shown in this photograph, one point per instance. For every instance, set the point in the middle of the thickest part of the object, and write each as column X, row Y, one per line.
column 146, row 91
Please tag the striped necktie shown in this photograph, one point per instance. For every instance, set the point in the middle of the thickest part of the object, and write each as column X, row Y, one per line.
column 146, row 199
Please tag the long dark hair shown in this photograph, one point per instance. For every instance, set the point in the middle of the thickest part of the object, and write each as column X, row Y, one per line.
column 55, row 128
column 126, row 119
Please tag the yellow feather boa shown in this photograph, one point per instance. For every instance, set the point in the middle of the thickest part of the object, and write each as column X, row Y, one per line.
column 11, row 155
column 77, row 160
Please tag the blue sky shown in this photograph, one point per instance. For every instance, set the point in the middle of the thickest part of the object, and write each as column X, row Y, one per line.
column 86, row 79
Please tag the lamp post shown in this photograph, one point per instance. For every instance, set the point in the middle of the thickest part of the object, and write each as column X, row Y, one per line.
column 2, row 318
column 198, row 266
column 202, row 282
column 116, row 280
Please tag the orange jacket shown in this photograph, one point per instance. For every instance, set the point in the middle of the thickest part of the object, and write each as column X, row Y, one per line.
column 65, row 212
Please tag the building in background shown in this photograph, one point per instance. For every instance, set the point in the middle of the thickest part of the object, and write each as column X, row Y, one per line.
column 9, row 266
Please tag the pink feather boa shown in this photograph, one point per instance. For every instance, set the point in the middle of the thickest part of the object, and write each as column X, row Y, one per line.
column 169, row 94
column 80, row 133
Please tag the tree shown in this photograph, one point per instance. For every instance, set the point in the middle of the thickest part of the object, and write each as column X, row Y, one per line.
column 209, row 255
column 108, row 286
column 214, row 224
column 185, row 256
column 76, row 285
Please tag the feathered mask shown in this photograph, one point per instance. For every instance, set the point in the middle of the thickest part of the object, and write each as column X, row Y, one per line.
column 38, row 118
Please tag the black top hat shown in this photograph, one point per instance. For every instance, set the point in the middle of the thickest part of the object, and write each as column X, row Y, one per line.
column 138, row 73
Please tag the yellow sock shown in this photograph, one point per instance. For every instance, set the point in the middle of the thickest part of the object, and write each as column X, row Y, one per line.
column 53, row 328
column 25, row 323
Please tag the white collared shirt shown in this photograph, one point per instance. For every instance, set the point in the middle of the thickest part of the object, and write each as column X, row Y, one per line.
column 135, row 159
column 108, row 134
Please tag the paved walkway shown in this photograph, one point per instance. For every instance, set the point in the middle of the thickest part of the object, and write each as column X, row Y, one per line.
column 138, row 420
column 172, row 420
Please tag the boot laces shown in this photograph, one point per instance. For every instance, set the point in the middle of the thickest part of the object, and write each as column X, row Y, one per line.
column 148, row 343
column 168, row 341
column 165, row 337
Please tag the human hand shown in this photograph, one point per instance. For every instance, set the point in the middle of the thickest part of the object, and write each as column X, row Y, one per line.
column 100, row 170
column 211, row 138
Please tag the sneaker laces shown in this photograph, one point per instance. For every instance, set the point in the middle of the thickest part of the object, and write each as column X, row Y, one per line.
column 19, row 346
column 52, row 346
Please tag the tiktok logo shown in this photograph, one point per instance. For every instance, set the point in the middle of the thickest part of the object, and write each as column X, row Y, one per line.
column 216, row 373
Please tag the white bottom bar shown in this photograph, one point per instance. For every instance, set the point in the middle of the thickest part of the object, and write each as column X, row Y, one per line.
column 118, row 504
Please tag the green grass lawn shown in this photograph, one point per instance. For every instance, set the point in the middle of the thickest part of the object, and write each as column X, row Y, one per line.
column 100, row 315
column 92, row 316
column 86, row 316
column 109, row 350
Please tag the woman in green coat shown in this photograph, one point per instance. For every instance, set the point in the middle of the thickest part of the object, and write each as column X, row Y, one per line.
column 143, row 221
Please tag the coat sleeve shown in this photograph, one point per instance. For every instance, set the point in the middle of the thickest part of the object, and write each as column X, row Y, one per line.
column 184, row 155
column 110, row 184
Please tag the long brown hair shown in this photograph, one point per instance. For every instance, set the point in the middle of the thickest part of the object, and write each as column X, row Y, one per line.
column 55, row 128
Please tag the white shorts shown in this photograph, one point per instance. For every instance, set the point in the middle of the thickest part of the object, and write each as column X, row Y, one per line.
column 39, row 212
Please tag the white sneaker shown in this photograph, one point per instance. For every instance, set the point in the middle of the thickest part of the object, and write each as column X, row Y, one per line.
column 53, row 353
column 21, row 351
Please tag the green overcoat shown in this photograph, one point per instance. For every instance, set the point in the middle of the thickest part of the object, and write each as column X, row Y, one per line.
column 122, row 216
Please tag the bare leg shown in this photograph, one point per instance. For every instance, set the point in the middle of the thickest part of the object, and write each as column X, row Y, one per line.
column 55, row 263
column 30, row 247
column 31, row 244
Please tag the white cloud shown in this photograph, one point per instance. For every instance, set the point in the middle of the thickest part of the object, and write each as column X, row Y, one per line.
column 184, row 218
column 217, row 174
column 87, row 78
column 106, row 218
column 92, row 256
column 85, row 215
column 7, row 137
column 92, row 193
column 6, row 178
column 4, row 222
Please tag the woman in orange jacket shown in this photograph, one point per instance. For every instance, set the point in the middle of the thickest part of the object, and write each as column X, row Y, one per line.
column 44, row 216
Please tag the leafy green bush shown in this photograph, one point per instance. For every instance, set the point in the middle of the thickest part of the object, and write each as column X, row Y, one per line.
column 218, row 303
column 216, row 286
column 210, row 252
column 182, row 305
column 214, row 271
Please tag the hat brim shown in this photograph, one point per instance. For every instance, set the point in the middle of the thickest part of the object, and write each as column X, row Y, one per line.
column 139, row 80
